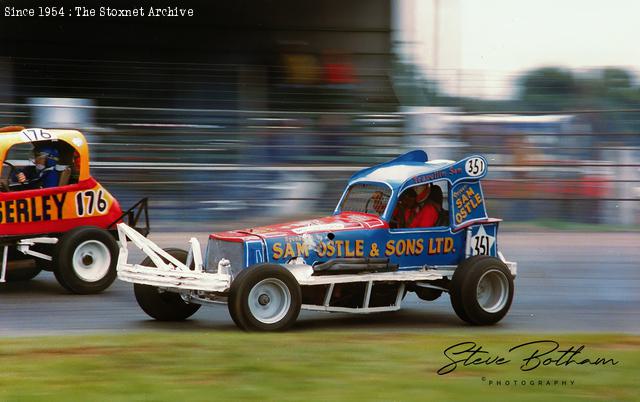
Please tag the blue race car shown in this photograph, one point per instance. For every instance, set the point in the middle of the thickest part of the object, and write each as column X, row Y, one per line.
column 407, row 225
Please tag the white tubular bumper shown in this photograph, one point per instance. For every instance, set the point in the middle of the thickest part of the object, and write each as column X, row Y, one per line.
column 173, row 274
column 513, row 266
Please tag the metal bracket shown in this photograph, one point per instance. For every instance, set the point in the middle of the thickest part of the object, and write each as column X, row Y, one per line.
column 24, row 246
column 430, row 286
column 133, row 216
column 513, row 266
column 195, row 255
column 365, row 309
column 3, row 271
column 165, row 271
column 155, row 253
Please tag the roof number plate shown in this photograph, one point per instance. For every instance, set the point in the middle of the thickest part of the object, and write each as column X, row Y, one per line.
column 475, row 166
column 37, row 134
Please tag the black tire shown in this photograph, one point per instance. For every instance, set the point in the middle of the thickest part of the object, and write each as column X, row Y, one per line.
column 230, row 301
column 488, row 273
column 162, row 305
column 455, row 286
column 257, row 287
column 428, row 294
column 84, row 260
column 22, row 271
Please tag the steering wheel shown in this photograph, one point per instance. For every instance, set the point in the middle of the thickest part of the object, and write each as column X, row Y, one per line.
column 7, row 185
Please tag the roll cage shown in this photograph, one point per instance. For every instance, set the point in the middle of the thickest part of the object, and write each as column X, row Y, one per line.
column 413, row 169
column 15, row 135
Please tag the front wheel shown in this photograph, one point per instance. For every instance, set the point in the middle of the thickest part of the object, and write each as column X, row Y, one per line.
column 265, row 298
column 482, row 290
column 85, row 260
column 160, row 304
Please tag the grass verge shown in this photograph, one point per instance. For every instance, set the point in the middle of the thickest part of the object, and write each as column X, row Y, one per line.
column 323, row 366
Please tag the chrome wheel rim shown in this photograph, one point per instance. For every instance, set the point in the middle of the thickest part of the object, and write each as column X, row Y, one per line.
column 269, row 300
column 91, row 260
column 492, row 291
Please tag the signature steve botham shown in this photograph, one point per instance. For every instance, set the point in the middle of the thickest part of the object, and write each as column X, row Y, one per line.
column 536, row 354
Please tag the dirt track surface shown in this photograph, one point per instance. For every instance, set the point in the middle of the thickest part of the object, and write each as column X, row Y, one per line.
column 566, row 282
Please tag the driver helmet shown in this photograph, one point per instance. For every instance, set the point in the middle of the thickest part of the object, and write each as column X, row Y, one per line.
column 422, row 193
column 44, row 157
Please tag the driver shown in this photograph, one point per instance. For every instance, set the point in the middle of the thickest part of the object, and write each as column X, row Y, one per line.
column 427, row 214
column 43, row 173
column 405, row 209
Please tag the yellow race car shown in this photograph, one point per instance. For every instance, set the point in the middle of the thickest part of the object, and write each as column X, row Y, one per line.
column 53, row 214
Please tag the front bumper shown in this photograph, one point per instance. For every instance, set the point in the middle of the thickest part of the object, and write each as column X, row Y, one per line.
column 168, row 272
column 513, row 266
column 174, row 278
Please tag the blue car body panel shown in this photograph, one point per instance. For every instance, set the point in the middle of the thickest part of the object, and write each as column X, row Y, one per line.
column 353, row 235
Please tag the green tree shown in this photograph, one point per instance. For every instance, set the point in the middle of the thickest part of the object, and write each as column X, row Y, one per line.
column 548, row 88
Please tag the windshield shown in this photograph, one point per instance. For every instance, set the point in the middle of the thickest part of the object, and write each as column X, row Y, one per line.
column 367, row 198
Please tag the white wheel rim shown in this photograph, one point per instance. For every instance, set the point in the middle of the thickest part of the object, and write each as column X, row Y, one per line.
column 269, row 300
column 91, row 260
column 492, row 291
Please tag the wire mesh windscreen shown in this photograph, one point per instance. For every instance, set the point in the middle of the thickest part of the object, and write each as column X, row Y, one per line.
column 366, row 198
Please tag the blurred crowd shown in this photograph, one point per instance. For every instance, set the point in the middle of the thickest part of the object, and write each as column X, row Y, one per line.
column 281, row 140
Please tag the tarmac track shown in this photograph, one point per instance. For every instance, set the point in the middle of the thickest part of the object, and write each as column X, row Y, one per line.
column 567, row 282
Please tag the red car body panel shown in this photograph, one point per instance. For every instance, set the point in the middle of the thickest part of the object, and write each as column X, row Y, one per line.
column 335, row 223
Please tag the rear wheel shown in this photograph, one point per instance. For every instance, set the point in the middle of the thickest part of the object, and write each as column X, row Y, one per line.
column 160, row 304
column 482, row 290
column 22, row 270
column 265, row 298
column 85, row 260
